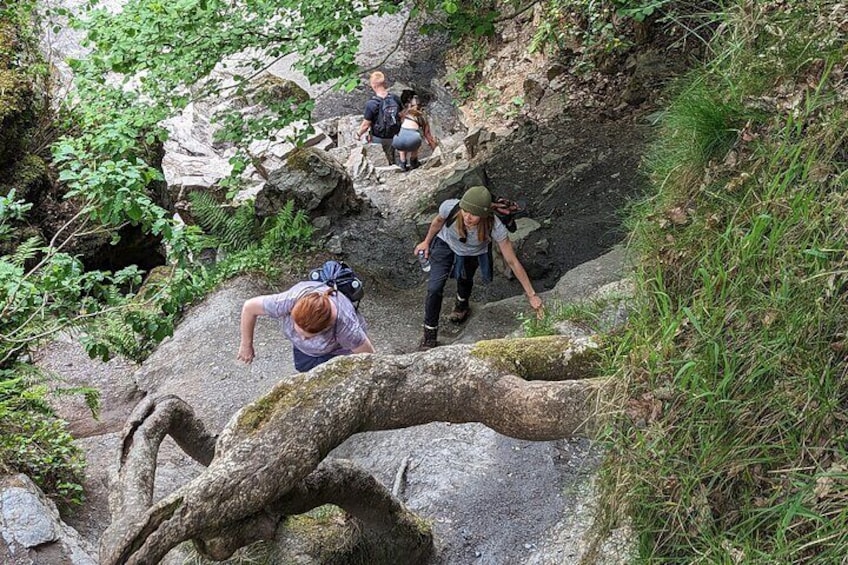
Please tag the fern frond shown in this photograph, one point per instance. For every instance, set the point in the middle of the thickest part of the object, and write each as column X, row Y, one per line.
column 122, row 338
column 288, row 230
column 208, row 214
column 26, row 250
column 234, row 231
column 240, row 232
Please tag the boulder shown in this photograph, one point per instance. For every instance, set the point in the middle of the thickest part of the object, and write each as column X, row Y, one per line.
column 315, row 181
column 31, row 531
column 477, row 139
column 463, row 176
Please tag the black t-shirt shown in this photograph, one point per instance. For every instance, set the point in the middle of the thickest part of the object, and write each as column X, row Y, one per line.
column 372, row 109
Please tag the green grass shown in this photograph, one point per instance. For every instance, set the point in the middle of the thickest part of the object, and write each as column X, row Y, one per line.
column 595, row 316
column 738, row 333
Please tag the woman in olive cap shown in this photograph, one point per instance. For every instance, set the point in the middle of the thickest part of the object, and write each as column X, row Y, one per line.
column 457, row 244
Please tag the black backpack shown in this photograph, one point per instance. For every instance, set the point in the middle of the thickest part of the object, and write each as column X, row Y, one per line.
column 506, row 210
column 387, row 123
column 339, row 275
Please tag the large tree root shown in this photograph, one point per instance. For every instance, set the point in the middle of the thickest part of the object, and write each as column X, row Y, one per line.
column 266, row 461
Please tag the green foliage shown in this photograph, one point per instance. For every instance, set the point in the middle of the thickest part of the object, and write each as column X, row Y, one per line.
column 276, row 239
column 288, row 231
column 514, row 108
column 535, row 327
column 465, row 79
column 234, row 231
column 640, row 10
column 11, row 210
column 587, row 23
column 54, row 294
column 597, row 28
column 462, row 19
column 462, row 80
column 24, row 80
column 699, row 126
column 732, row 445
column 34, row 442
column 592, row 315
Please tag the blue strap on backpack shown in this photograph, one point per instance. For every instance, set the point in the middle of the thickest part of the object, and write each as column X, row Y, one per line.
column 339, row 276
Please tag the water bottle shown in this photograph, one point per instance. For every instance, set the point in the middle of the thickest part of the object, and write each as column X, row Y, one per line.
column 423, row 261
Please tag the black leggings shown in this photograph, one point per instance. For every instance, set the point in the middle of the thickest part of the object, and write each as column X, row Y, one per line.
column 441, row 261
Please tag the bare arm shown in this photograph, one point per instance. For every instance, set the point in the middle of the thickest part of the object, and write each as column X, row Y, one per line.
column 434, row 228
column 363, row 128
column 251, row 310
column 428, row 135
column 365, row 347
column 511, row 259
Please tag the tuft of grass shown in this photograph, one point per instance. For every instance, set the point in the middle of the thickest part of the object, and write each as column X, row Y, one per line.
column 731, row 444
column 595, row 315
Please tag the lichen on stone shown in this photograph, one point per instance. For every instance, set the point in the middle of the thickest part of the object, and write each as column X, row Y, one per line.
column 303, row 391
column 257, row 413
column 541, row 358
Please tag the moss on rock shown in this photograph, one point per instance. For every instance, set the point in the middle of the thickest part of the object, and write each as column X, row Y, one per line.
column 302, row 391
column 540, row 358
column 28, row 176
column 256, row 414
column 271, row 88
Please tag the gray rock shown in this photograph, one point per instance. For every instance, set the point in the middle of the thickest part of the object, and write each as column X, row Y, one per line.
column 31, row 531
column 477, row 139
column 317, row 183
column 463, row 176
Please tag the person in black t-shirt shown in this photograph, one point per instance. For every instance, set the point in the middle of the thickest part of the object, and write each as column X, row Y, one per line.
column 377, row 80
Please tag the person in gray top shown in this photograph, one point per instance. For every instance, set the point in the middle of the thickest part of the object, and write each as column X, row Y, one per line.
column 458, row 242
column 320, row 322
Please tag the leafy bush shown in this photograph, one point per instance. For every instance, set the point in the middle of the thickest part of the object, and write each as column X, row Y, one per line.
column 34, row 442
column 249, row 245
column 596, row 28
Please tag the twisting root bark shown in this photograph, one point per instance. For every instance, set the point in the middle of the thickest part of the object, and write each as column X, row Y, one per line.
column 266, row 461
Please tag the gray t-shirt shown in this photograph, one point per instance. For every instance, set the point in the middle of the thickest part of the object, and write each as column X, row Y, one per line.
column 471, row 247
column 347, row 333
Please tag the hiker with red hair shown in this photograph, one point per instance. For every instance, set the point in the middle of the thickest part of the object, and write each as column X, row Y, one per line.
column 320, row 322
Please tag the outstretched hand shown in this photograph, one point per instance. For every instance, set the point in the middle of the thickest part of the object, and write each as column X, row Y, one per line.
column 536, row 304
column 246, row 353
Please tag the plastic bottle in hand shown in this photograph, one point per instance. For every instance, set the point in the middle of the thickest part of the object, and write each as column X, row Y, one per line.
column 423, row 261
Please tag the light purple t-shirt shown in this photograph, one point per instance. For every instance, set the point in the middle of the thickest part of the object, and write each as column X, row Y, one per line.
column 471, row 247
column 346, row 334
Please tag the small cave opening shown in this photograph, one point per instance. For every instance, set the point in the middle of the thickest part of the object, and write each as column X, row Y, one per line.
column 135, row 247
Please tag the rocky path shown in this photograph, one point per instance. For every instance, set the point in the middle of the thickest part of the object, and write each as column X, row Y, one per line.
column 491, row 499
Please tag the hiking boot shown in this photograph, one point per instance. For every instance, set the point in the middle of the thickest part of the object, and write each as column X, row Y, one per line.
column 404, row 166
column 460, row 313
column 428, row 340
column 414, row 163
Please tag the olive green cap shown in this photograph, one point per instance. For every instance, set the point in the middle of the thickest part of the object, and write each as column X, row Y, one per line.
column 477, row 200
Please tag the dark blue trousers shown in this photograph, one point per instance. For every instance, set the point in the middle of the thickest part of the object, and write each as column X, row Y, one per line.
column 304, row 362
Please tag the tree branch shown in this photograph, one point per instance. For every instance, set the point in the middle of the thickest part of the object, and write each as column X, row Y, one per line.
column 516, row 13
column 274, row 443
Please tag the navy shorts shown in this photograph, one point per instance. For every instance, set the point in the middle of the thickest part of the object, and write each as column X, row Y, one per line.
column 304, row 362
